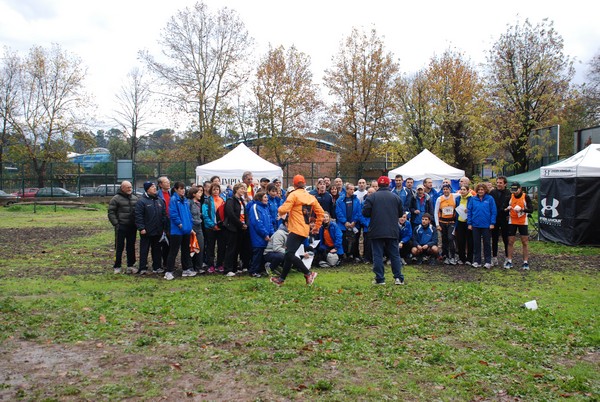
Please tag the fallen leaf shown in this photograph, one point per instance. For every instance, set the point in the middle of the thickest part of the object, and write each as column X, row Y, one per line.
column 99, row 345
column 459, row 375
column 484, row 363
column 538, row 376
column 340, row 291
column 171, row 323
column 176, row 366
column 102, row 319
column 299, row 387
column 189, row 394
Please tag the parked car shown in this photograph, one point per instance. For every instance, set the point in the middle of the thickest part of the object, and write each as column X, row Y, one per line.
column 55, row 192
column 107, row 190
column 27, row 193
column 8, row 199
column 87, row 191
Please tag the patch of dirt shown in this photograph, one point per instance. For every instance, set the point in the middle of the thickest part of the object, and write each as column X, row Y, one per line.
column 73, row 372
column 465, row 273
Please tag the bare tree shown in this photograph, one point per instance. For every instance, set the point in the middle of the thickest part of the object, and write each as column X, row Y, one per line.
column 361, row 81
column 133, row 100
column 51, row 106
column 287, row 103
column 9, row 75
column 528, row 80
column 205, row 55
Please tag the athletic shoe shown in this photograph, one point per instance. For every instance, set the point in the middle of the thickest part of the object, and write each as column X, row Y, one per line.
column 201, row 271
column 310, row 278
column 507, row 264
column 117, row 270
column 487, row 265
column 468, row 263
column 276, row 281
column 475, row 265
column 397, row 281
column 143, row 271
column 432, row 261
column 212, row 270
column 230, row 274
column 268, row 268
column 413, row 259
column 220, row 269
column 494, row 261
column 419, row 260
column 169, row 276
column 525, row 266
column 452, row 261
column 426, row 258
column 131, row 270
column 158, row 271
column 204, row 265
column 256, row 275
column 189, row 272
column 378, row 283
column 447, row 261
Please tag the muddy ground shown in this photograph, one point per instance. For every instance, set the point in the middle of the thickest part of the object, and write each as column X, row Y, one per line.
column 33, row 371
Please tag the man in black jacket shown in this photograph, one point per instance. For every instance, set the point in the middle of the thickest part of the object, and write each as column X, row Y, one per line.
column 385, row 209
column 121, row 209
column 151, row 221
column 501, row 195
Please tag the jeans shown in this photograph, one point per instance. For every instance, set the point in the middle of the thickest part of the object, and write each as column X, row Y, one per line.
column 125, row 240
column 391, row 248
column 291, row 246
column 275, row 259
column 484, row 234
column 147, row 244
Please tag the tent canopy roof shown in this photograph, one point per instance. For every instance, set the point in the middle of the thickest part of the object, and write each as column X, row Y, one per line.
column 236, row 162
column 585, row 163
column 527, row 179
column 426, row 164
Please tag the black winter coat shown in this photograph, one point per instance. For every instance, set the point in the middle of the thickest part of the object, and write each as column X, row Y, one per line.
column 151, row 214
column 384, row 208
column 121, row 209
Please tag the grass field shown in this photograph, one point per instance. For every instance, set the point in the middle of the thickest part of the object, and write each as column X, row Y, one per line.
column 72, row 330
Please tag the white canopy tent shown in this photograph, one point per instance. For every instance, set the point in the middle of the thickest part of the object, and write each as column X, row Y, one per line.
column 231, row 166
column 424, row 165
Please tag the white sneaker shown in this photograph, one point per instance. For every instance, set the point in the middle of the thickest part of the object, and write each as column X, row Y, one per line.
column 230, row 274
column 452, row 261
column 475, row 265
column 459, row 262
column 487, row 265
column 189, row 272
column 169, row 276
column 377, row 283
column 468, row 263
column 507, row 264
column 117, row 271
column 447, row 261
column 131, row 270
column 397, row 281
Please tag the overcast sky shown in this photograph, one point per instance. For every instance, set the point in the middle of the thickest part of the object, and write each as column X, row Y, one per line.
column 108, row 34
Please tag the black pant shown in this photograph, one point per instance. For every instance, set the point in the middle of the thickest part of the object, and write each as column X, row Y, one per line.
column 348, row 240
column 179, row 242
column 291, row 246
column 165, row 248
column 464, row 242
column 148, row 243
column 125, row 240
column 218, row 238
column 501, row 227
column 234, row 242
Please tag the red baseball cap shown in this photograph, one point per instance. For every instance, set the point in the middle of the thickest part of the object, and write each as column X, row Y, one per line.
column 383, row 181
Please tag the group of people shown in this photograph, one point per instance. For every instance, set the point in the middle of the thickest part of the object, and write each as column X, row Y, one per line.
column 259, row 228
